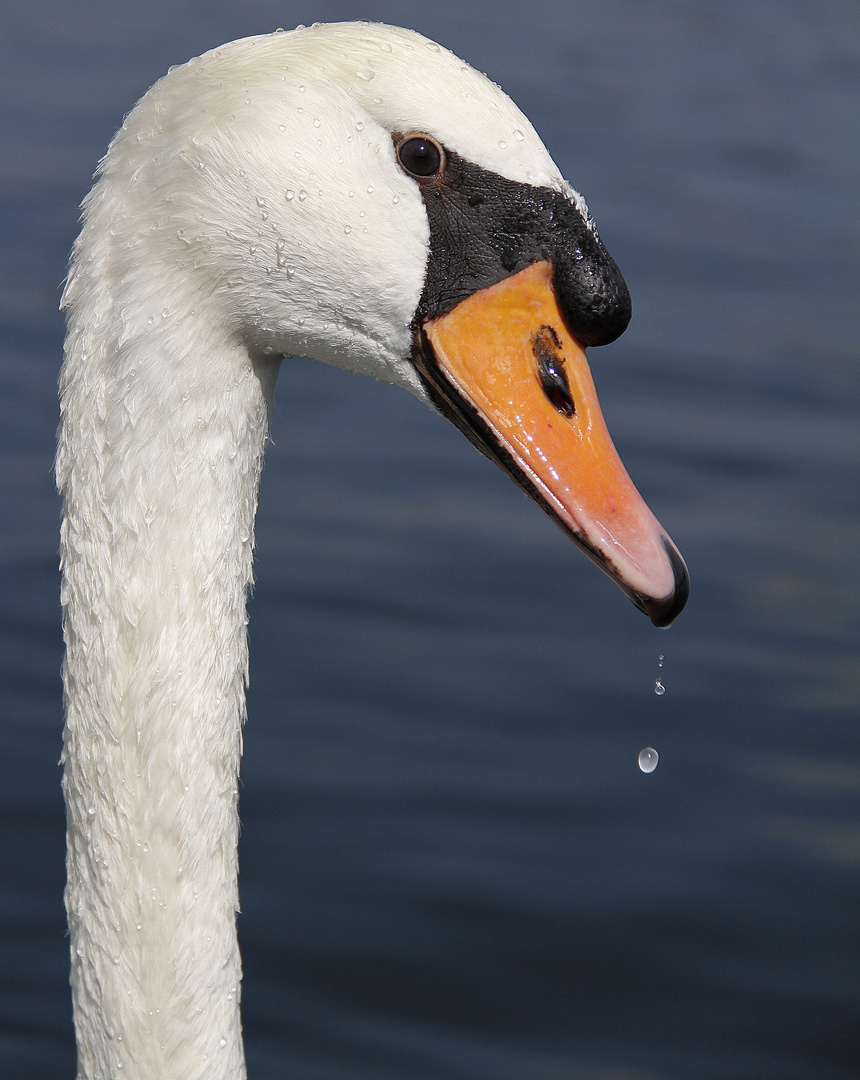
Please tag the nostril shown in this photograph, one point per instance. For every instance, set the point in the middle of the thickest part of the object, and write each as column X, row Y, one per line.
column 546, row 347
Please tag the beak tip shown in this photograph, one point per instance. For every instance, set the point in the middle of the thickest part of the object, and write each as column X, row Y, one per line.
column 664, row 611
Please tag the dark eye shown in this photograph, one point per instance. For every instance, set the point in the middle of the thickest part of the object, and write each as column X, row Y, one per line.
column 421, row 156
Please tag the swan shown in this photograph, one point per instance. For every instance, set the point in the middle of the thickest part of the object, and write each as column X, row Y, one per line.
column 348, row 192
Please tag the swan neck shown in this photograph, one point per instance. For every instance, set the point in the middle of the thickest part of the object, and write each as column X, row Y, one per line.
column 163, row 427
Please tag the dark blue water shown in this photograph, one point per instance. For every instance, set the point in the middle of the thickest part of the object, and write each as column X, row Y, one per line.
column 452, row 866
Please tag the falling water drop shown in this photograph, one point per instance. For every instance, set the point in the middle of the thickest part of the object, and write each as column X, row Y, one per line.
column 648, row 759
column 659, row 688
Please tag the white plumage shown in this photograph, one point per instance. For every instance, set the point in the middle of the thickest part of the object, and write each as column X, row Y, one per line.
column 250, row 207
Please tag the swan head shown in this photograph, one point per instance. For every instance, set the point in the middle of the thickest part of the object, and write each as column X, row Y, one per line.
column 357, row 194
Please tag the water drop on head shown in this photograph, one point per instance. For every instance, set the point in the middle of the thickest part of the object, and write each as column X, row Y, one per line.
column 347, row 229
column 648, row 759
column 518, row 135
column 433, row 47
column 302, row 195
column 396, row 199
column 289, row 194
column 366, row 75
column 502, row 144
column 359, row 126
column 316, row 122
column 386, row 47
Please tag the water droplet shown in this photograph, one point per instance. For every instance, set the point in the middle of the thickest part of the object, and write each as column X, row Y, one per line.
column 282, row 127
column 396, row 199
column 91, row 810
column 289, row 194
column 369, row 189
column 518, row 135
column 301, row 89
column 302, row 195
column 386, row 47
column 366, row 75
column 347, row 229
column 165, row 313
column 659, row 688
column 222, row 1042
column 648, row 759
column 282, row 259
column 359, row 126
column 502, row 144
column 432, row 46
column 261, row 201
column 316, row 122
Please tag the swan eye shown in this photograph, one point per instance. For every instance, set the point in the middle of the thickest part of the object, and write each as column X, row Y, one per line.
column 421, row 156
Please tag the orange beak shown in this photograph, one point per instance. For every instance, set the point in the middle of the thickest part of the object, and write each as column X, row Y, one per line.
column 505, row 361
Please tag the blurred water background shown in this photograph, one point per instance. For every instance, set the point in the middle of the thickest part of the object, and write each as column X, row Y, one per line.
column 452, row 867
